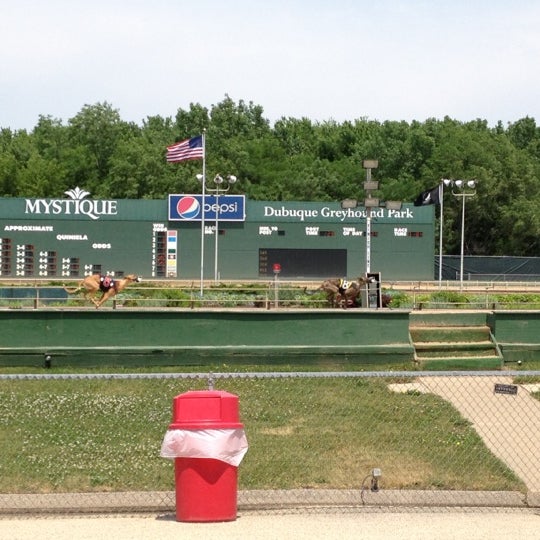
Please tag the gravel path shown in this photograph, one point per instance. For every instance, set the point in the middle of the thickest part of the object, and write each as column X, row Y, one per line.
column 508, row 424
column 407, row 525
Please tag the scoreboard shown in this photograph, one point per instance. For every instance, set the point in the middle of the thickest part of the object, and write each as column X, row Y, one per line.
column 76, row 249
column 50, row 240
column 76, row 236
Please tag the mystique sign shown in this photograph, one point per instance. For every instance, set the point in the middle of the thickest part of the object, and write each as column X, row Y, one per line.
column 76, row 205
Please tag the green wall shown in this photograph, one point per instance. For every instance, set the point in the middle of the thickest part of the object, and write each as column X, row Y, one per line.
column 517, row 333
column 197, row 336
column 255, row 336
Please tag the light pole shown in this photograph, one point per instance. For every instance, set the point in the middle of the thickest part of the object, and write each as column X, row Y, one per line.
column 443, row 182
column 466, row 188
column 218, row 181
column 369, row 203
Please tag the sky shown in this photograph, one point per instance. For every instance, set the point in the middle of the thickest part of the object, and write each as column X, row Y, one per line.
column 336, row 60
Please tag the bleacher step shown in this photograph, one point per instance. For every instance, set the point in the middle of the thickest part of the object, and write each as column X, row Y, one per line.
column 454, row 341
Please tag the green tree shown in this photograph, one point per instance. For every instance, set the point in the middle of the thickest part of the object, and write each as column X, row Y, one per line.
column 94, row 133
column 295, row 159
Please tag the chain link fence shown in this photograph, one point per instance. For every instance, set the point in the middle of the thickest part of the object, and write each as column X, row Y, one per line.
column 91, row 442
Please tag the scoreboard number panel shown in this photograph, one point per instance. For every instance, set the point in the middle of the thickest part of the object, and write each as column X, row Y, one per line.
column 77, row 249
column 306, row 263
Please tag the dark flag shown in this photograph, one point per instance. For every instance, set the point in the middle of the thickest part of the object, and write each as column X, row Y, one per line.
column 430, row 196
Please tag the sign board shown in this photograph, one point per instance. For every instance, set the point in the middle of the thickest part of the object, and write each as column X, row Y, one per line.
column 75, row 235
column 510, row 389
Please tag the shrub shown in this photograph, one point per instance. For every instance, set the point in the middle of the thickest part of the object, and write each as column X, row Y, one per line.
column 452, row 298
column 396, row 299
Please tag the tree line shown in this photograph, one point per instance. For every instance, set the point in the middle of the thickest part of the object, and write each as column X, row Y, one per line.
column 293, row 159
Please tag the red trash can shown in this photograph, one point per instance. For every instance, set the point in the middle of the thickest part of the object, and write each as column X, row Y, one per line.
column 207, row 442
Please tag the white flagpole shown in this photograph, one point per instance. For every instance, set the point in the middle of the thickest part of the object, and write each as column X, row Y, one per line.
column 202, row 208
column 441, row 200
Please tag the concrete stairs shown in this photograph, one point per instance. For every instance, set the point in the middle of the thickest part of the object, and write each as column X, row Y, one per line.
column 457, row 340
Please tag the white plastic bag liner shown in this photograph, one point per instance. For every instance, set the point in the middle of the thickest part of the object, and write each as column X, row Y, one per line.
column 229, row 445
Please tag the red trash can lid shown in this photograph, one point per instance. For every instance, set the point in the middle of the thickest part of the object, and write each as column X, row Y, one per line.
column 205, row 409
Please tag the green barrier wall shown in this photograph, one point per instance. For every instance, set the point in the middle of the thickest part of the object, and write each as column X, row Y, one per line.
column 517, row 333
column 215, row 337
column 203, row 336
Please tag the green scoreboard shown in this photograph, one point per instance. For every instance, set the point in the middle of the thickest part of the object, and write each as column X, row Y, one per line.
column 229, row 237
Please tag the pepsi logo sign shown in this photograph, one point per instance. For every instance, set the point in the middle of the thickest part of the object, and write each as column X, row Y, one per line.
column 188, row 207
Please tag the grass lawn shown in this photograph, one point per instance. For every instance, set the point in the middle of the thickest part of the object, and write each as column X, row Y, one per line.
column 105, row 435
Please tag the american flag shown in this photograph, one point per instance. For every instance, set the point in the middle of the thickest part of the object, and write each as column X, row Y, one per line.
column 186, row 150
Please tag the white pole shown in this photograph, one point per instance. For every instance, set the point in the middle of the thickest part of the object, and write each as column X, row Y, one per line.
column 368, row 241
column 202, row 209
column 441, row 199
column 368, row 230
column 462, row 241
column 216, row 232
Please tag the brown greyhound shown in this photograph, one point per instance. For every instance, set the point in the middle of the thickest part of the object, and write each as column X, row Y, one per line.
column 106, row 284
column 341, row 292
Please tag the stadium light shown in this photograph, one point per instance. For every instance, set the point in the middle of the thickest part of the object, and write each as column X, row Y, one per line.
column 370, row 203
column 219, row 180
column 466, row 188
column 349, row 203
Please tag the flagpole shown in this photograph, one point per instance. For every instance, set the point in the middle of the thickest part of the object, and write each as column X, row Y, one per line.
column 441, row 199
column 202, row 208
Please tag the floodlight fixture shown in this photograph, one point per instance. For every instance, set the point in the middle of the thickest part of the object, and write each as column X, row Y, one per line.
column 349, row 203
column 217, row 190
column 370, row 163
column 371, row 185
column 462, row 192
column 371, row 202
